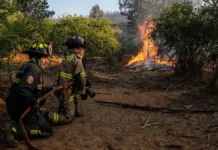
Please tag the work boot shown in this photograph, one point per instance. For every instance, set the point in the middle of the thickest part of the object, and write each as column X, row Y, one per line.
column 11, row 141
column 78, row 114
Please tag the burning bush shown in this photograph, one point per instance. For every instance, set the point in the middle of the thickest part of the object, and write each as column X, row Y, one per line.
column 149, row 52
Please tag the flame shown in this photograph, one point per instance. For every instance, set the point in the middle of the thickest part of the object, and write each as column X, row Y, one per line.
column 149, row 51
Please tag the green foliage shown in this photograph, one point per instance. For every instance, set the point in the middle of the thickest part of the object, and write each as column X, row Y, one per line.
column 6, row 38
column 20, row 30
column 37, row 9
column 16, row 29
column 187, row 34
column 177, row 36
column 137, row 10
column 209, row 14
column 99, row 34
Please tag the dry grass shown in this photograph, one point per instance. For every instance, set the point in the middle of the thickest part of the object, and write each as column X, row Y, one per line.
column 21, row 58
column 17, row 58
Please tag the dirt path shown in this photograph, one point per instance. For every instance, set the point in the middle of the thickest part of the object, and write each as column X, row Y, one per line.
column 114, row 128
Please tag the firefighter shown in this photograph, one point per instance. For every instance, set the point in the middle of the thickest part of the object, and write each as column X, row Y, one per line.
column 71, row 69
column 24, row 93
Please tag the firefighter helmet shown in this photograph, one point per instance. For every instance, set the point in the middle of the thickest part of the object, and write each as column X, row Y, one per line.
column 40, row 48
column 75, row 41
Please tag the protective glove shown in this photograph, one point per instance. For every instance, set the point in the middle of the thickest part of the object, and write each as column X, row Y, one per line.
column 84, row 96
column 90, row 92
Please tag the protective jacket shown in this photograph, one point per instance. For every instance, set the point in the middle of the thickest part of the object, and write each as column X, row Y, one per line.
column 71, row 69
column 24, row 93
column 25, row 90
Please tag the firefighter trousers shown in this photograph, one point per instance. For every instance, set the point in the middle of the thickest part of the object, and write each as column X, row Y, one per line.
column 66, row 111
column 36, row 126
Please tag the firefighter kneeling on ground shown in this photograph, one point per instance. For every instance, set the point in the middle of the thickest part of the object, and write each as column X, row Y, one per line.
column 71, row 69
column 24, row 93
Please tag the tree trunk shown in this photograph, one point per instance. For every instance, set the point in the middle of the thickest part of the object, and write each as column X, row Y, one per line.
column 194, row 68
column 9, row 70
column 181, row 67
column 215, row 74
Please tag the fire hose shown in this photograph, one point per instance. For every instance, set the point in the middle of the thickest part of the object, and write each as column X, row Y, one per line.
column 26, row 138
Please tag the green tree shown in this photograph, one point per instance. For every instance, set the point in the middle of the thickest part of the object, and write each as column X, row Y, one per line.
column 96, row 12
column 209, row 14
column 16, row 28
column 136, row 11
column 184, row 33
column 36, row 8
column 99, row 34
column 7, row 39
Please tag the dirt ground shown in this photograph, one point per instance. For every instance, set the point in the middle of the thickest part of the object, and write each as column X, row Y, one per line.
column 109, row 127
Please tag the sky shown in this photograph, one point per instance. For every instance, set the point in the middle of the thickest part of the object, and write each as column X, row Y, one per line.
column 81, row 7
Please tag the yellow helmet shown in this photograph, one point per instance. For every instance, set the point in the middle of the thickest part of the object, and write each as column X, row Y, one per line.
column 41, row 48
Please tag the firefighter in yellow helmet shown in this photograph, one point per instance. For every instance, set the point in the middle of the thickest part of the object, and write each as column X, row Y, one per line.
column 24, row 93
column 71, row 69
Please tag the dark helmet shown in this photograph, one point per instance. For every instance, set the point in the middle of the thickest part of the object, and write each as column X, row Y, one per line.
column 75, row 41
column 38, row 48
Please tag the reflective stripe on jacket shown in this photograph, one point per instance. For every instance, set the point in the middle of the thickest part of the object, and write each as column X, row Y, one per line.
column 71, row 67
